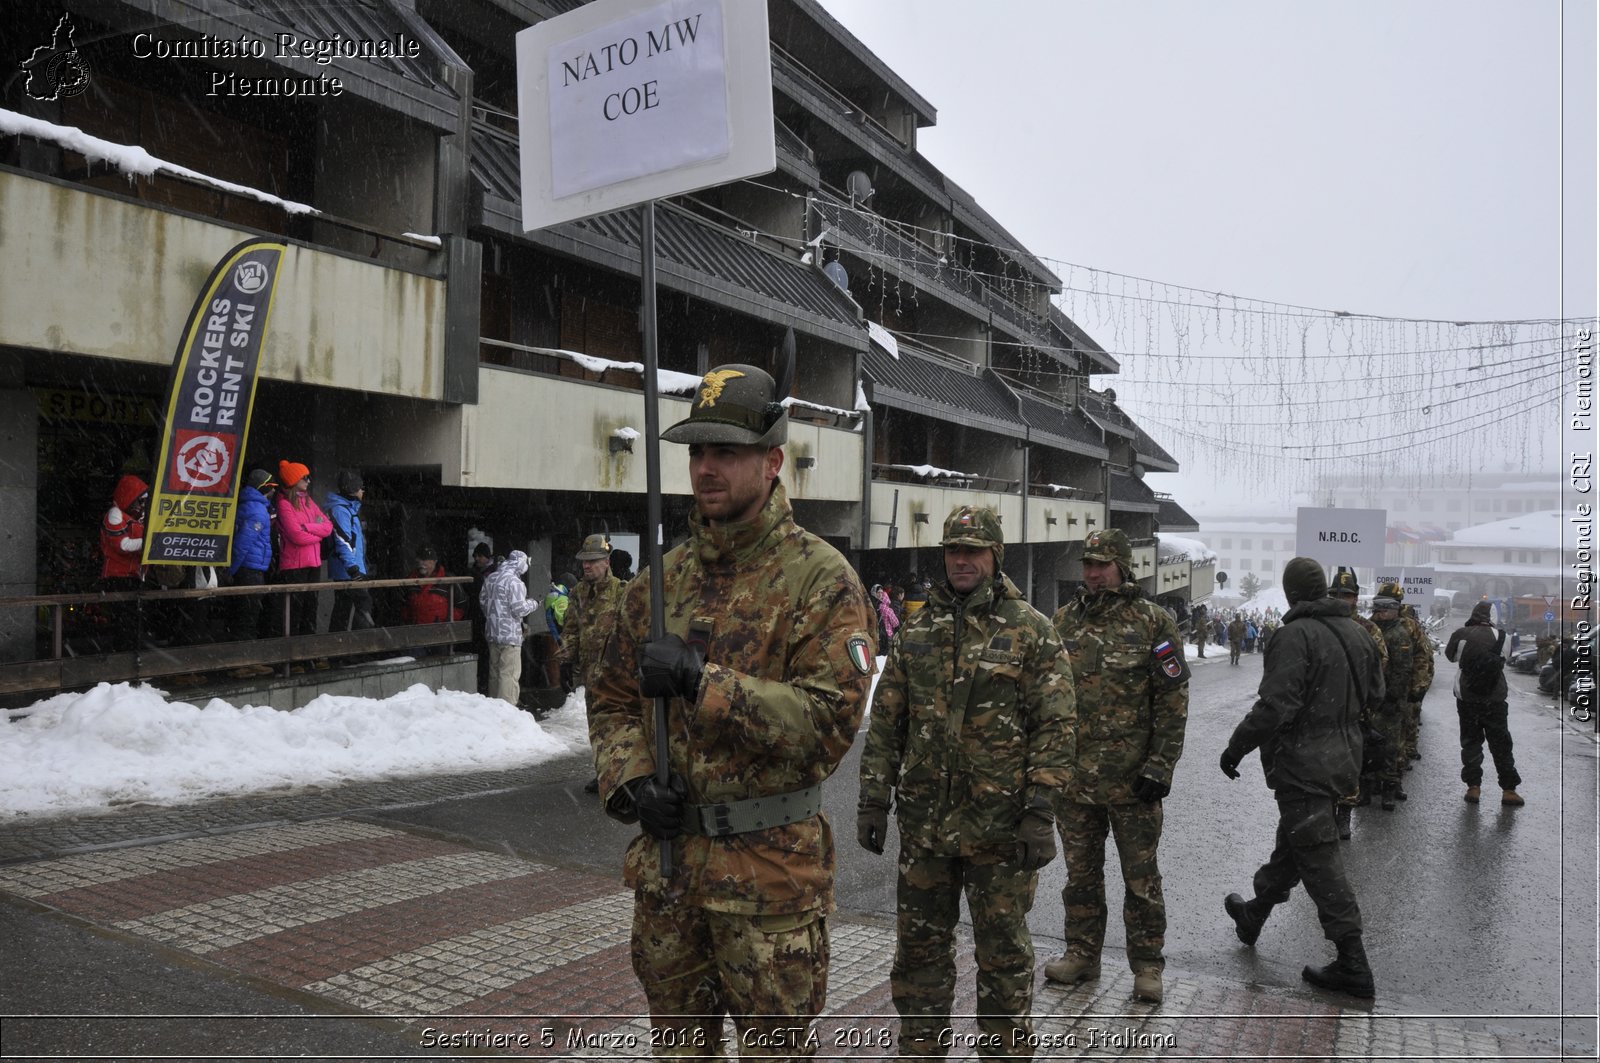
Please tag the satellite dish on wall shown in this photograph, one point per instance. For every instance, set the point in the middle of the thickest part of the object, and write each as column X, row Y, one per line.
column 1111, row 396
column 837, row 273
column 859, row 185
column 1138, row 471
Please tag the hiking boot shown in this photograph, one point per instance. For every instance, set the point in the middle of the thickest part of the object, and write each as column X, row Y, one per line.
column 1348, row 973
column 592, row 786
column 1472, row 795
column 1512, row 798
column 1070, row 969
column 1248, row 916
column 1399, row 792
column 1388, row 797
column 1147, row 985
column 1341, row 815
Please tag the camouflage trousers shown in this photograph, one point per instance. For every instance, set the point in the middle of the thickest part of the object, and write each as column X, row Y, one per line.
column 1306, row 851
column 1137, row 831
column 923, row 979
column 1411, row 729
column 1388, row 720
column 770, row 972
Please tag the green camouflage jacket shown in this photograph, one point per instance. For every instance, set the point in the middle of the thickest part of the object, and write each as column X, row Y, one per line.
column 789, row 636
column 1399, row 670
column 973, row 721
column 1421, row 655
column 590, row 617
column 1131, row 710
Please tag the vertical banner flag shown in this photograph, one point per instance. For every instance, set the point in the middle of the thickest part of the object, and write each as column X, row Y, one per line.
column 208, row 410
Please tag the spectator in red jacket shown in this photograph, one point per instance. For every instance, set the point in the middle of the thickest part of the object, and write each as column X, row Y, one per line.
column 121, row 547
column 430, row 602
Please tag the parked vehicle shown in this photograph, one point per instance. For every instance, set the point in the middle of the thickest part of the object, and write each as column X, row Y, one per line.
column 1526, row 659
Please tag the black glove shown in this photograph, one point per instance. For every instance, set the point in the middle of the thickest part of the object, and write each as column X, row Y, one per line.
column 670, row 668
column 1036, row 839
column 1230, row 763
column 872, row 826
column 1151, row 790
column 660, row 807
column 356, row 573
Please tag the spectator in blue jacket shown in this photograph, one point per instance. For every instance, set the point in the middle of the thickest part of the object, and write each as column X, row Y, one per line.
column 352, row 606
column 252, row 557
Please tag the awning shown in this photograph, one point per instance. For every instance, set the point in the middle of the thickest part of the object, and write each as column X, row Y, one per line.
column 919, row 384
column 1131, row 495
column 1173, row 517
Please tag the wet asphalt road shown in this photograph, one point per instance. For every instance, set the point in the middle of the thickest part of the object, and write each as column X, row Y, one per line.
column 1469, row 910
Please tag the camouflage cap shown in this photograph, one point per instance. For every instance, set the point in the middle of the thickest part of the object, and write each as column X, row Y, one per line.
column 1391, row 590
column 973, row 526
column 595, row 548
column 1109, row 544
column 735, row 404
column 1344, row 582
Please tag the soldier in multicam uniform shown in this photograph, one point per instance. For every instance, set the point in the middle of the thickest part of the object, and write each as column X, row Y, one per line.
column 766, row 664
column 972, row 732
column 1347, row 589
column 1389, row 719
column 1133, row 705
column 591, row 614
column 1421, row 675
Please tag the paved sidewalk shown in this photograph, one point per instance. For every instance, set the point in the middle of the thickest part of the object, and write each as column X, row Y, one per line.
column 456, row 949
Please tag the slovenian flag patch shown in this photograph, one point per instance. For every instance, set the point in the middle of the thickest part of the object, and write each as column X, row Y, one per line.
column 1167, row 657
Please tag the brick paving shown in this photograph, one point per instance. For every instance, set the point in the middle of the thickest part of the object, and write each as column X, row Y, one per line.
column 513, row 955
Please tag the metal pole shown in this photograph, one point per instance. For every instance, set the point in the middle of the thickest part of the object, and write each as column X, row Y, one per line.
column 652, row 479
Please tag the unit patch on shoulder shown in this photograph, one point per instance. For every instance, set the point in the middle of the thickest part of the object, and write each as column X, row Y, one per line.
column 1169, row 662
column 860, row 651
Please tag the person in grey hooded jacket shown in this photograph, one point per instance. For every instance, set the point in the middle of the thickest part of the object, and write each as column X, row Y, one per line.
column 505, row 602
column 1321, row 668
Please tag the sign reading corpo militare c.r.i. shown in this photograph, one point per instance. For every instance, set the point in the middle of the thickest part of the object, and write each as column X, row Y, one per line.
column 1341, row 536
column 208, row 410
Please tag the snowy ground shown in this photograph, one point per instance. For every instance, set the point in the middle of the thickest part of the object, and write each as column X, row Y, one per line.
column 119, row 744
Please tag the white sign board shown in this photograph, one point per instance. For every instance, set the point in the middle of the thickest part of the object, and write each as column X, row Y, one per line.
column 1341, row 536
column 1417, row 583
column 625, row 101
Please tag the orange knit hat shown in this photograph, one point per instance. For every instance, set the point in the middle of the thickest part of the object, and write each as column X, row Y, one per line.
column 291, row 473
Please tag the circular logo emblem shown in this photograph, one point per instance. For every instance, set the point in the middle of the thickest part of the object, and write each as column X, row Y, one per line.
column 250, row 277
column 68, row 74
column 203, row 462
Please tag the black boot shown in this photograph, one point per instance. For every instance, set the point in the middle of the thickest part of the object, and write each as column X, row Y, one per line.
column 1388, row 797
column 1341, row 814
column 1399, row 792
column 1248, row 916
column 1348, row 973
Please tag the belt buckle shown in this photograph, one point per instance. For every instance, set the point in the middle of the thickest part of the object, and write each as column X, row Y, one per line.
column 714, row 818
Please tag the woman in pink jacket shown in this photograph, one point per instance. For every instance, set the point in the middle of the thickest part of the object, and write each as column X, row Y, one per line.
column 302, row 525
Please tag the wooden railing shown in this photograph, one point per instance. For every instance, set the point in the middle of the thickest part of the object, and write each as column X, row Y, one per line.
column 64, row 670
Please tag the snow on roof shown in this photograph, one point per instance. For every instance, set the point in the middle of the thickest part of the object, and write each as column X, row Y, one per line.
column 1541, row 530
column 1175, row 546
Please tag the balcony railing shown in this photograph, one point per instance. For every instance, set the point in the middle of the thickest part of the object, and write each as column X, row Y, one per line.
column 923, row 474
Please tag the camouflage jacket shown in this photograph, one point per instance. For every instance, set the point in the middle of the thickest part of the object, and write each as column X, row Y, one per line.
column 1383, row 658
column 1421, row 654
column 973, row 721
column 1398, row 670
column 590, row 616
column 789, row 636
column 1131, row 712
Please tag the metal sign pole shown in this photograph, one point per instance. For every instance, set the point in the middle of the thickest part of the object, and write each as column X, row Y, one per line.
column 652, row 477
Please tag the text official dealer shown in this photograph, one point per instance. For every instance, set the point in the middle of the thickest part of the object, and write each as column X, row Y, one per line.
column 319, row 50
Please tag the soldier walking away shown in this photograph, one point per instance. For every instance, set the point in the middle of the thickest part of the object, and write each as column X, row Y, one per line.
column 505, row 603
column 1198, row 620
column 1306, row 721
column 1236, row 631
column 1346, row 589
column 972, row 733
column 1421, row 674
column 765, row 664
column 591, row 616
column 1481, row 706
column 1390, row 718
column 1133, row 705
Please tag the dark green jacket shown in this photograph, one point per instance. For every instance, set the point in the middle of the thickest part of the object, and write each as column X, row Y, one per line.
column 972, row 722
column 1307, row 717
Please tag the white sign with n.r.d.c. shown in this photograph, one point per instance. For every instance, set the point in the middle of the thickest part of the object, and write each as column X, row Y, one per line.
column 1341, row 536
column 626, row 101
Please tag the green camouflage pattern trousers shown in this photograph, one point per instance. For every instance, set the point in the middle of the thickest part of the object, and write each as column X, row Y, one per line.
column 1136, row 828
column 770, row 972
column 923, row 979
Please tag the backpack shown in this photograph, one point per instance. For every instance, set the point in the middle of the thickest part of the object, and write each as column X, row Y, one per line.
column 1482, row 668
